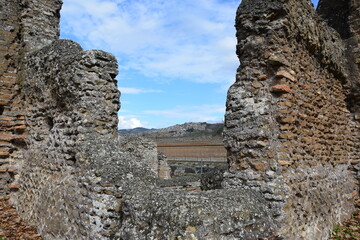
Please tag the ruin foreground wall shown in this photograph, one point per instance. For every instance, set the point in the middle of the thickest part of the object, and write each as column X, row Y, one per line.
column 291, row 131
column 25, row 26
column 292, row 119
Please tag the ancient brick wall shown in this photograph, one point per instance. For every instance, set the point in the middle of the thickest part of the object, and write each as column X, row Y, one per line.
column 347, row 23
column 289, row 130
column 353, row 45
column 25, row 26
column 12, row 124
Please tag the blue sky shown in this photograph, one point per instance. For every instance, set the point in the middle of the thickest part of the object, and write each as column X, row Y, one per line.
column 176, row 57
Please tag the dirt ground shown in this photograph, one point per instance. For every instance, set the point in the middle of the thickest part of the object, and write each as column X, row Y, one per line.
column 12, row 227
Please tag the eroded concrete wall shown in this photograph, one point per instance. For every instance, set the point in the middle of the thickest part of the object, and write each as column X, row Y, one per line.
column 290, row 133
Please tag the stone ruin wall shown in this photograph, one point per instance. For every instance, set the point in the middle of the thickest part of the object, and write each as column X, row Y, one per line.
column 76, row 178
column 25, row 26
column 12, row 122
column 60, row 115
column 291, row 131
column 346, row 22
column 354, row 22
column 79, row 173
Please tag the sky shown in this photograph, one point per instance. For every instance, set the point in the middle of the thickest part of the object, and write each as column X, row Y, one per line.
column 176, row 57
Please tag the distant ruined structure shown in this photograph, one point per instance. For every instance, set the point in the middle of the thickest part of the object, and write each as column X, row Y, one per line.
column 291, row 131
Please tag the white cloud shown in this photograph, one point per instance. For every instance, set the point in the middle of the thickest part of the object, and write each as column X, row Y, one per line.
column 128, row 122
column 138, row 90
column 192, row 40
column 202, row 113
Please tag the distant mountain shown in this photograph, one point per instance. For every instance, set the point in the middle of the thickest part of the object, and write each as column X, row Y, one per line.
column 199, row 131
column 134, row 130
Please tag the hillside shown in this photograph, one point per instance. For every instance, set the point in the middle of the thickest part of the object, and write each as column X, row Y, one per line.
column 134, row 130
column 191, row 131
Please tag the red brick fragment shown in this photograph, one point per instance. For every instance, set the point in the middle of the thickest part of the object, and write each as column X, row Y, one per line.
column 19, row 127
column 12, row 137
column 280, row 89
column 5, row 137
column 14, row 187
column 4, row 118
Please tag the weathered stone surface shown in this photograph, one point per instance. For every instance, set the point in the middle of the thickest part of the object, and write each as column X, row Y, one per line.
column 164, row 170
column 292, row 133
column 280, row 89
column 195, row 215
column 213, row 179
column 308, row 123
column 9, row 46
column 83, row 181
column 346, row 23
column 25, row 26
column 285, row 74
column 147, row 151
column 148, row 211
column 62, row 86
column 39, row 23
